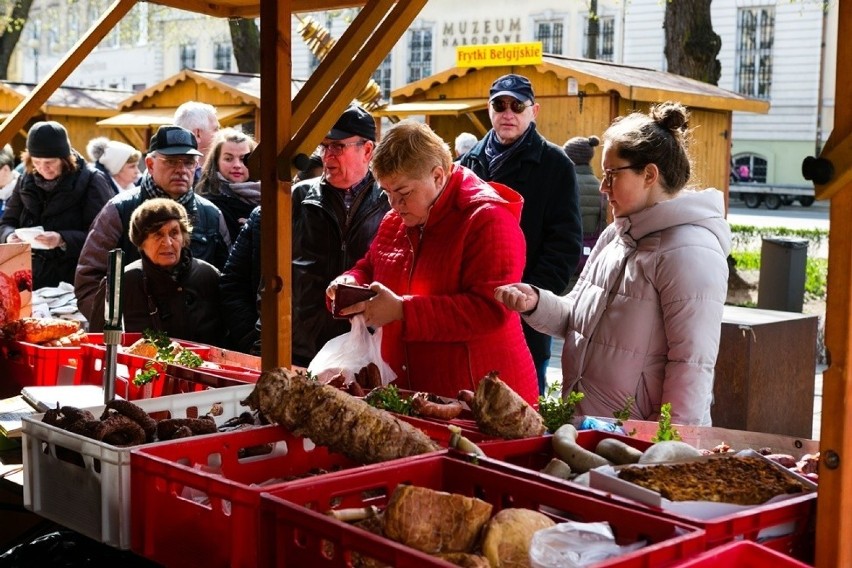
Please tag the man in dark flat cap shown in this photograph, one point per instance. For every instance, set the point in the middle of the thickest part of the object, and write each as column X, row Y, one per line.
column 515, row 154
column 171, row 161
column 335, row 217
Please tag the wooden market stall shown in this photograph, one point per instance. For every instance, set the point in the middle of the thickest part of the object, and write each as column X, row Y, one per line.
column 78, row 108
column 236, row 97
column 292, row 127
column 581, row 97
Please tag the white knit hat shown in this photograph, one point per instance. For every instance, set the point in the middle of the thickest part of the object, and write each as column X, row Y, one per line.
column 115, row 156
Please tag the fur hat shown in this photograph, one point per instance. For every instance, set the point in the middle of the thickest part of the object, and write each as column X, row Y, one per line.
column 48, row 139
column 116, row 155
column 580, row 149
column 153, row 214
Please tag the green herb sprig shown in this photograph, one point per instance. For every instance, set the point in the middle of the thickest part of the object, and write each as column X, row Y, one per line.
column 165, row 354
column 388, row 398
column 665, row 432
column 555, row 410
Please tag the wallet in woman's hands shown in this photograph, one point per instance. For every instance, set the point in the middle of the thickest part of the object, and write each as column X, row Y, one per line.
column 347, row 295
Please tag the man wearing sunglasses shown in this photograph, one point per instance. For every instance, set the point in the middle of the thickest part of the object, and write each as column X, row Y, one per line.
column 171, row 161
column 514, row 153
column 335, row 217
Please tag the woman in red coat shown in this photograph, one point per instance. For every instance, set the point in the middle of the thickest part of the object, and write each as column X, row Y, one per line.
column 435, row 261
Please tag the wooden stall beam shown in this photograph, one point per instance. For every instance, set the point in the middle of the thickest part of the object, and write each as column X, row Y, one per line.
column 18, row 118
column 834, row 524
column 275, row 254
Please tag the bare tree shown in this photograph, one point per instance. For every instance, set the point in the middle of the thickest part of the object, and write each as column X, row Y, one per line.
column 691, row 44
column 13, row 15
column 245, row 39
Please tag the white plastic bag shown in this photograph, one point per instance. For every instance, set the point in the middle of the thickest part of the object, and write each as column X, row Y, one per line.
column 351, row 352
column 576, row 544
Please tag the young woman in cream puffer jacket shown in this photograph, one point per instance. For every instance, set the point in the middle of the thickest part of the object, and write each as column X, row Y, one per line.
column 644, row 319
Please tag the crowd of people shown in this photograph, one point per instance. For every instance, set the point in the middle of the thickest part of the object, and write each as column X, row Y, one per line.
column 477, row 255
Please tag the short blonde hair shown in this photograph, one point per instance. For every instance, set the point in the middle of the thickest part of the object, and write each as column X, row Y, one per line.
column 412, row 149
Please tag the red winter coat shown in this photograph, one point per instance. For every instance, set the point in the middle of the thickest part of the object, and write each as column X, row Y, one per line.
column 453, row 331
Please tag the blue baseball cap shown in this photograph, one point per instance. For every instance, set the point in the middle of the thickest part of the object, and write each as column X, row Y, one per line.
column 516, row 86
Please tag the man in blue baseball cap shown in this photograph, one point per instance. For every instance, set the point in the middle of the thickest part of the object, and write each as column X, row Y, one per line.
column 514, row 153
column 171, row 161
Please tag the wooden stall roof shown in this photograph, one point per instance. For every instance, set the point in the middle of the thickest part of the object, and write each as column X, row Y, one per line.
column 634, row 83
column 240, row 89
column 244, row 88
column 154, row 117
column 69, row 101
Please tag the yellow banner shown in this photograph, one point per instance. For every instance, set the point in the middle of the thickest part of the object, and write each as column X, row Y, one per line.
column 499, row 54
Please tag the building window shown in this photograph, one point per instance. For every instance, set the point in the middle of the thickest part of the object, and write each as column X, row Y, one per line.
column 604, row 43
column 419, row 54
column 382, row 77
column 187, row 56
column 754, row 170
column 755, row 35
column 549, row 33
column 222, row 55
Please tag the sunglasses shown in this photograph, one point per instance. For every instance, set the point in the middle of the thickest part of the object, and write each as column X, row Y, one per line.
column 517, row 106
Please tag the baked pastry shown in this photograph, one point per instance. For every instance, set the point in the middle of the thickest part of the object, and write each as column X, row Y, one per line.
column 727, row 479
column 41, row 330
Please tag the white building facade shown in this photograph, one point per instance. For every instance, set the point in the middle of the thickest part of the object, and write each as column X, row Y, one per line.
column 774, row 49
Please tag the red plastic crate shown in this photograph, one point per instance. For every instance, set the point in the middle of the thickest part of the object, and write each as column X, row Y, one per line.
column 90, row 370
column 25, row 364
column 296, row 533
column 742, row 554
column 526, row 457
column 226, row 524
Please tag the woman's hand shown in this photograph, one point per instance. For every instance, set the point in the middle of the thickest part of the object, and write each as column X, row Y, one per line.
column 332, row 288
column 379, row 310
column 518, row 297
column 14, row 238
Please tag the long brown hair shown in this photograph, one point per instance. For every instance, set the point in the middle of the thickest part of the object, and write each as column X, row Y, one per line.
column 208, row 183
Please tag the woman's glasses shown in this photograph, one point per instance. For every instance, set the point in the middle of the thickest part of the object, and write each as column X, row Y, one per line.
column 499, row 105
column 609, row 174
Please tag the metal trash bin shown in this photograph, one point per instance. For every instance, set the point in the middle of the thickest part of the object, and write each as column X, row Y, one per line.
column 783, row 267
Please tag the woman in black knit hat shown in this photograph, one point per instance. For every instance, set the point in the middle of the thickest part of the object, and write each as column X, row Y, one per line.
column 581, row 150
column 166, row 289
column 58, row 192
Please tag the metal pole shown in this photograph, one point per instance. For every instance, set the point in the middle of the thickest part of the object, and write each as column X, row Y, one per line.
column 112, row 319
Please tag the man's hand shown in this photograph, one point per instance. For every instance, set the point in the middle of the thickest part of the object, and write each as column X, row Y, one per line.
column 518, row 297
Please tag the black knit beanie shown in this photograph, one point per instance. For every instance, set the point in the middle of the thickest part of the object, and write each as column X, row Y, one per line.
column 48, row 139
column 581, row 149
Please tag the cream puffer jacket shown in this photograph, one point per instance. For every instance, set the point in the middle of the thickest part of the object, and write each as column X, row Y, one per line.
column 644, row 319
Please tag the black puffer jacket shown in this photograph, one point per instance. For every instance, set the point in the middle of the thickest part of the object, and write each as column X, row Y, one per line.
column 68, row 209
column 326, row 243
column 239, row 286
column 183, row 303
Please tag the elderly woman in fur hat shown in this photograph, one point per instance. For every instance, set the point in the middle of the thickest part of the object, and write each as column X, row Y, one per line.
column 167, row 289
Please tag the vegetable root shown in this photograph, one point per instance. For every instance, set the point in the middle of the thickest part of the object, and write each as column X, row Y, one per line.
column 331, row 417
column 500, row 411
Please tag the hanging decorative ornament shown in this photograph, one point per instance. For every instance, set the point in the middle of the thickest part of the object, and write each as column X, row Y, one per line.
column 320, row 42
